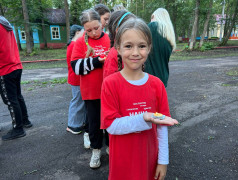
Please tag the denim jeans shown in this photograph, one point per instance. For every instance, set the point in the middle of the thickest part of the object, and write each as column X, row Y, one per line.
column 10, row 90
column 77, row 110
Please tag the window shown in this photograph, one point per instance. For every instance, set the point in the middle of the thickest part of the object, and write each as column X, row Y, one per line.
column 23, row 35
column 55, row 32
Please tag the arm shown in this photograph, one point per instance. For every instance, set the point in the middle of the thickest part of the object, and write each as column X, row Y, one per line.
column 128, row 124
column 163, row 153
column 84, row 66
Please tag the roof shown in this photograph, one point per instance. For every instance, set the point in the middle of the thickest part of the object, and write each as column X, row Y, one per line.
column 55, row 16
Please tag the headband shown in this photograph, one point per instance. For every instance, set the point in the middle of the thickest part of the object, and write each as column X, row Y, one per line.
column 122, row 18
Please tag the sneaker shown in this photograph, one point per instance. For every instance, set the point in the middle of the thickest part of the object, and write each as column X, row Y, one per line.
column 13, row 134
column 95, row 159
column 27, row 124
column 74, row 130
column 107, row 150
column 86, row 140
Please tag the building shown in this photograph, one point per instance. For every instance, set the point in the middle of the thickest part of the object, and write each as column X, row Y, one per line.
column 55, row 27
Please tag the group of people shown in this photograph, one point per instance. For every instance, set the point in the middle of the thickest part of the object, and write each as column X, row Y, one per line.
column 121, row 67
column 118, row 72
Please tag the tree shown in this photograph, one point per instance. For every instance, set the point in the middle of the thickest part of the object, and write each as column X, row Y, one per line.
column 66, row 8
column 76, row 8
column 29, row 47
column 195, row 26
column 231, row 24
column 206, row 23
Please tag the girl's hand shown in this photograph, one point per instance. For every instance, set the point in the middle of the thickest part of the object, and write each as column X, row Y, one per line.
column 167, row 120
column 106, row 52
column 160, row 172
column 101, row 59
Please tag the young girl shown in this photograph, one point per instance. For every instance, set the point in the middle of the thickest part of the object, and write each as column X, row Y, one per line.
column 77, row 111
column 104, row 14
column 87, row 62
column 163, row 40
column 116, row 20
column 128, row 99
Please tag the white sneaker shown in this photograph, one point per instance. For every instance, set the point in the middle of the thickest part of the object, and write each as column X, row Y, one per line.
column 95, row 159
column 86, row 140
column 107, row 150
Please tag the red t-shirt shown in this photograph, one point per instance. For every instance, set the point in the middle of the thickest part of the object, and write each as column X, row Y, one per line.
column 111, row 63
column 132, row 156
column 90, row 84
column 73, row 79
column 9, row 54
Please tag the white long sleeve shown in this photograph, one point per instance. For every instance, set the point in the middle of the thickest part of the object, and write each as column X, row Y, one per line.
column 128, row 124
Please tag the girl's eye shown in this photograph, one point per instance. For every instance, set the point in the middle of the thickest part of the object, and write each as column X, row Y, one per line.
column 96, row 28
column 89, row 30
column 142, row 46
column 127, row 46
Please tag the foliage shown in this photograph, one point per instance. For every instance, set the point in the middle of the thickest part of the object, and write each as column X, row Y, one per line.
column 207, row 46
column 76, row 8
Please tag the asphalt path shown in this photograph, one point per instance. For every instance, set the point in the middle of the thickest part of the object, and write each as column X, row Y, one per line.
column 203, row 147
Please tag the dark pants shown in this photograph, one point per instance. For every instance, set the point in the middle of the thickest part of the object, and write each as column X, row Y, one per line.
column 95, row 133
column 10, row 90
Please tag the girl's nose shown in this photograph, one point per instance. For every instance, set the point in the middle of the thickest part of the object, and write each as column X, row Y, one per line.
column 135, row 51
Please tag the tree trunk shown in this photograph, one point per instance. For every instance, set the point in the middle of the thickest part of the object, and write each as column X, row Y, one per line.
column 17, row 38
column 66, row 8
column 43, row 26
column 233, row 21
column 29, row 48
column 206, row 23
column 195, row 26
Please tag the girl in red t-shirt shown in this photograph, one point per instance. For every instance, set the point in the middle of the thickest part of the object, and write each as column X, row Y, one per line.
column 116, row 20
column 128, row 99
column 86, row 61
column 77, row 110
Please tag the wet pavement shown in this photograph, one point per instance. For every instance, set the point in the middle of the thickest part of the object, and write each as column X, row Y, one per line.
column 202, row 97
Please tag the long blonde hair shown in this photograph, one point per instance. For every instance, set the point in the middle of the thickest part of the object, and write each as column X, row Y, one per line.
column 165, row 26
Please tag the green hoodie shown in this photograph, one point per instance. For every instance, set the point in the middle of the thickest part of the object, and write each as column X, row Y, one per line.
column 157, row 62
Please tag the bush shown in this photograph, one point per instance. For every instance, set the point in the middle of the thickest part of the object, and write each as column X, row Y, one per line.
column 207, row 46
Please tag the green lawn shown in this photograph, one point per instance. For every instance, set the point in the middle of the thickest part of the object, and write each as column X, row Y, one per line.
column 41, row 54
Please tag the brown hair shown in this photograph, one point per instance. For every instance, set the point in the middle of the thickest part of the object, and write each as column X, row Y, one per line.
column 113, row 23
column 137, row 24
column 87, row 16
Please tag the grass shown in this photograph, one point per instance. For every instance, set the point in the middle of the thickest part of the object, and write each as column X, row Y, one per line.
column 31, row 85
column 45, row 65
column 233, row 72
column 41, row 54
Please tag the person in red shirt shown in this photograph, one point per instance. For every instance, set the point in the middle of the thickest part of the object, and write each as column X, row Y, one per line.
column 87, row 63
column 10, row 81
column 116, row 20
column 104, row 13
column 138, row 140
column 77, row 110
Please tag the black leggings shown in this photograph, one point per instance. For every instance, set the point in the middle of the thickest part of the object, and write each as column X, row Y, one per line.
column 10, row 90
column 94, row 115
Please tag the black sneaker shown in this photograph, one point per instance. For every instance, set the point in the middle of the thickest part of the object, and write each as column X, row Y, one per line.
column 77, row 130
column 27, row 124
column 13, row 134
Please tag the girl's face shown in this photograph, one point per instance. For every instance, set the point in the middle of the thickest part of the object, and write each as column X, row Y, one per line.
column 93, row 29
column 105, row 19
column 133, row 49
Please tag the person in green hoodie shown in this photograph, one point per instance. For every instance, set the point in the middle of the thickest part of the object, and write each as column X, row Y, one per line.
column 164, row 44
